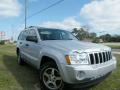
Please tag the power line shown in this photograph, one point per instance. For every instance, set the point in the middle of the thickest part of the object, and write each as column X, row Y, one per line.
column 40, row 11
column 44, row 9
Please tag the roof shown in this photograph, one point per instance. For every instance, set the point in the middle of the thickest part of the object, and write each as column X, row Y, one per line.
column 38, row 27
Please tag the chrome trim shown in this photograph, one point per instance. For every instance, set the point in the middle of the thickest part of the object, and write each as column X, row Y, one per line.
column 107, row 57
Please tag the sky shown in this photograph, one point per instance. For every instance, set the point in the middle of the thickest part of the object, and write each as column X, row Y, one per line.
column 101, row 16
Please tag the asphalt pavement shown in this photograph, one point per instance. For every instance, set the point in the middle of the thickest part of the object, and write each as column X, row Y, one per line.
column 116, row 51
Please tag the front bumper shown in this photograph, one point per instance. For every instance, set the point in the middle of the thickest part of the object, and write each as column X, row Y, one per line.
column 89, row 83
column 76, row 74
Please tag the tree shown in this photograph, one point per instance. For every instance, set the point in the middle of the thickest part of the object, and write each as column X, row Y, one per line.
column 80, row 33
column 106, row 37
column 115, row 38
column 92, row 35
column 2, row 42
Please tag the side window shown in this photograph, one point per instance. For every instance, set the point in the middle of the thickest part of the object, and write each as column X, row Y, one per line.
column 22, row 35
column 32, row 33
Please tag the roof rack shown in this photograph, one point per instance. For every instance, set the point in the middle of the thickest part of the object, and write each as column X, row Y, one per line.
column 31, row 26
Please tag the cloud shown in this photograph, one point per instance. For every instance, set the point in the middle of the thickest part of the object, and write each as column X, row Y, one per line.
column 67, row 24
column 9, row 8
column 102, row 14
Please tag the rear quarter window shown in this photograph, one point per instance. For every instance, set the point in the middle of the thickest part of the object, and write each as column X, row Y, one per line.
column 22, row 36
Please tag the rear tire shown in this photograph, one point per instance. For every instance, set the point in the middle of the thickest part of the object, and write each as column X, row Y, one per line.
column 50, row 78
column 19, row 59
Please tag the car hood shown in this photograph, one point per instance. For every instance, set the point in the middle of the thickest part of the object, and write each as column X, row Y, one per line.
column 75, row 45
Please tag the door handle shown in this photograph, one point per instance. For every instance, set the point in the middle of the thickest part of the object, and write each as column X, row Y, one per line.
column 26, row 44
column 20, row 42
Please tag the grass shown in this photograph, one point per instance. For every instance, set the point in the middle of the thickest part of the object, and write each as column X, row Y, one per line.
column 114, row 46
column 15, row 77
column 113, row 81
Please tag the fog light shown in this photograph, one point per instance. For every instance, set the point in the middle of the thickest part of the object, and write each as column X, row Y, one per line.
column 80, row 75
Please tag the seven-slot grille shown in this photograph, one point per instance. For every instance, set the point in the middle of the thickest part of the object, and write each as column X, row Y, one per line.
column 100, row 57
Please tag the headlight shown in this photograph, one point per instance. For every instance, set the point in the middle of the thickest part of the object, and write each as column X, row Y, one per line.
column 77, row 58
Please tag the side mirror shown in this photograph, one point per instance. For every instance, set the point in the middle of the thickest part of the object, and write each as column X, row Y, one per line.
column 32, row 38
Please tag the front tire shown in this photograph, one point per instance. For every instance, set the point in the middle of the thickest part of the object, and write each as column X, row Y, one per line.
column 50, row 78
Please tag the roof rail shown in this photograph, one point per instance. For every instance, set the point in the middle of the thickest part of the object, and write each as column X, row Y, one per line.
column 31, row 26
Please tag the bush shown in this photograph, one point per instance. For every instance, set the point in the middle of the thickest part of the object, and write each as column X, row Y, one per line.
column 2, row 42
column 96, row 40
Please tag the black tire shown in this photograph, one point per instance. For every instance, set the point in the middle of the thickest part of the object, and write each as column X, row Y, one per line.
column 19, row 59
column 50, row 77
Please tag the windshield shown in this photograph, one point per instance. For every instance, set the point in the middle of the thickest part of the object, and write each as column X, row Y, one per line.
column 55, row 34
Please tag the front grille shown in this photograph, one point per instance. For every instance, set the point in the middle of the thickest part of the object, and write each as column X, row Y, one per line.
column 100, row 57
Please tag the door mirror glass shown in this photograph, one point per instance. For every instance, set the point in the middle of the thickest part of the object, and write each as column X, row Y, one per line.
column 32, row 38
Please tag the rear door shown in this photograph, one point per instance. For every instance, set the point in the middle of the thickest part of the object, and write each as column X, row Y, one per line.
column 33, row 48
column 21, row 43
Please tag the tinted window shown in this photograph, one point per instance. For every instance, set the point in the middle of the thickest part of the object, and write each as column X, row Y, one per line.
column 55, row 34
column 22, row 36
column 32, row 33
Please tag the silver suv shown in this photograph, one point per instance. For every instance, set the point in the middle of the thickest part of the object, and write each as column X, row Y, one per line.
column 61, row 59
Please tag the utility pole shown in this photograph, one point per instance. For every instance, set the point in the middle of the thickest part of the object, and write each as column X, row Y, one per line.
column 12, row 33
column 25, row 14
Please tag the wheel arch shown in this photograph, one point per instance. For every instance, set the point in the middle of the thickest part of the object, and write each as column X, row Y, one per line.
column 17, row 50
column 46, row 59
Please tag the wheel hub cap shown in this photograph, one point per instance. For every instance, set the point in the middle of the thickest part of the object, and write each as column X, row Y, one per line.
column 52, row 78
